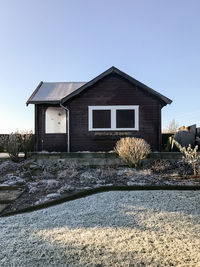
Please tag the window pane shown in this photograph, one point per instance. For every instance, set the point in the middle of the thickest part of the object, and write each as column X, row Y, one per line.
column 125, row 118
column 101, row 119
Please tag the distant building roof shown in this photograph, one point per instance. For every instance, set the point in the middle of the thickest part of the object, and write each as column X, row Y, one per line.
column 53, row 92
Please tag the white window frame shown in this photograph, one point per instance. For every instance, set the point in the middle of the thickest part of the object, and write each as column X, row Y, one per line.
column 113, row 110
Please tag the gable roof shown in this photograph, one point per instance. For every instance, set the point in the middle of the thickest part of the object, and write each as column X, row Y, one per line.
column 56, row 93
column 53, row 92
column 164, row 100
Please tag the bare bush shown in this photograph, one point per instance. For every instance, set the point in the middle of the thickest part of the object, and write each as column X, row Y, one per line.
column 172, row 127
column 2, row 138
column 27, row 142
column 17, row 142
column 161, row 166
column 190, row 156
column 12, row 145
column 184, row 169
column 132, row 150
column 106, row 172
column 2, row 142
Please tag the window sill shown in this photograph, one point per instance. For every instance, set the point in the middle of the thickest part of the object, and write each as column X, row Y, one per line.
column 111, row 135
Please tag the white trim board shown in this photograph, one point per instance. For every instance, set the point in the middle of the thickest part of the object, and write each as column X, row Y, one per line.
column 113, row 117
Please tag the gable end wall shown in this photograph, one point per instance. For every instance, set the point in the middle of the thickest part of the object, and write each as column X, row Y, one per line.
column 113, row 90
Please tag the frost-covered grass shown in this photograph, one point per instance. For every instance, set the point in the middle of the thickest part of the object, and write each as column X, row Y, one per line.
column 129, row 228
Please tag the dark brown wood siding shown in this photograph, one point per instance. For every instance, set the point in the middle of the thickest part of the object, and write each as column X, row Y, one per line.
column 47, row 142
column 113, row 90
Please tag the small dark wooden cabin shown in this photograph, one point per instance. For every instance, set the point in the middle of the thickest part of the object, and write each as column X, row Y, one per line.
column 92, row 116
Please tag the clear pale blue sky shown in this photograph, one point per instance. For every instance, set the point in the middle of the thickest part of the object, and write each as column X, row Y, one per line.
column 157, row 42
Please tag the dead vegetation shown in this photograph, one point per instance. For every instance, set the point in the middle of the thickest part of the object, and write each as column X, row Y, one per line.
column 17, row 142
column 132, row 150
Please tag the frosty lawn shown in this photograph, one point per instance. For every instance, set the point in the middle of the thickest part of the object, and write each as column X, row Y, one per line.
column 129, row 228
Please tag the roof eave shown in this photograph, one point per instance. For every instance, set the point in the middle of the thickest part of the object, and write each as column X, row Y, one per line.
column 45, row 102
column 163, row 103
column 161, row 97
column 35, row 91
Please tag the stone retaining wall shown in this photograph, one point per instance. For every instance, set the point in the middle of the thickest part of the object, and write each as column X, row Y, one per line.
column 84, row 159
column 97, row 158
column 92, row 158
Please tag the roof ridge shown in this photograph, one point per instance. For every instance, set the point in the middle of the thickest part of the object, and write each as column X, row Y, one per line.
column 65, row 82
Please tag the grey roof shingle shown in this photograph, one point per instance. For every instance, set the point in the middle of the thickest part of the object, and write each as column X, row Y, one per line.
column 53, row 92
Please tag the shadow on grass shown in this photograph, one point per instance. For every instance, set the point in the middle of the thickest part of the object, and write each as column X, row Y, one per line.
column 141, row 228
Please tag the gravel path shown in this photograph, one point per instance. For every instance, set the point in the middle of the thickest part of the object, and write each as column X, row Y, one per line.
column 129, row 228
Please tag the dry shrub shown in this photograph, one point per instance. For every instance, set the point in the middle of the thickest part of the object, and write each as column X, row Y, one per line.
column 12, row 145
column 161, row 166
column 132, row 150
column 190, row 156
column 17, row 142
column 106, row 172
column 184, row 169
column 27, row 142
column 3, row 139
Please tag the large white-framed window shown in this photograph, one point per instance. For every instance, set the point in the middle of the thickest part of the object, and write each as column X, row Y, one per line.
column 113, row 118
column 55, row 120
